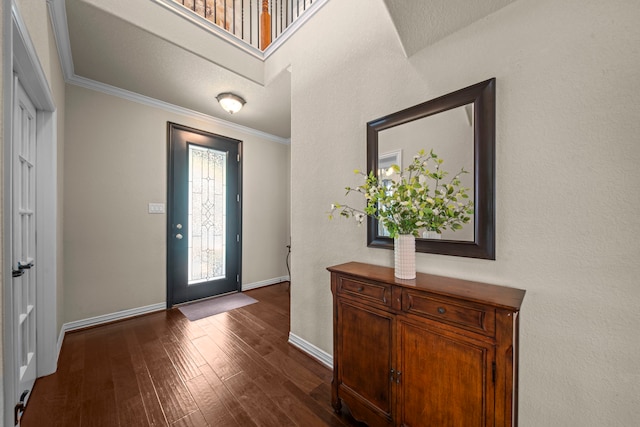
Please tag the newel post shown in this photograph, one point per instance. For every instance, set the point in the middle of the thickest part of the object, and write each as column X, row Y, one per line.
column 265, row 26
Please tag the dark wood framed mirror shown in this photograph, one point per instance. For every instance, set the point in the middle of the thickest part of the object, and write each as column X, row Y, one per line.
column 461, row 125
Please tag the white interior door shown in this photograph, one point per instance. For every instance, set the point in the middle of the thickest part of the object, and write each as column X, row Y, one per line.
column 23, row 237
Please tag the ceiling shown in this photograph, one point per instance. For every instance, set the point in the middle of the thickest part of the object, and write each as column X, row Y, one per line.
column 144, row 48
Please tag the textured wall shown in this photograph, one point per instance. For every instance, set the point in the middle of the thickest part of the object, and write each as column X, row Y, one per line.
column 567, row 179
column 115, row 164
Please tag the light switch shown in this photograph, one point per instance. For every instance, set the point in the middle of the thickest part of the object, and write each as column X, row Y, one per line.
column 156, row 208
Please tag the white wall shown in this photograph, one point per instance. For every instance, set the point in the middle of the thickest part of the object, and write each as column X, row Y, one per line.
column 115, row 164
column 568, row 75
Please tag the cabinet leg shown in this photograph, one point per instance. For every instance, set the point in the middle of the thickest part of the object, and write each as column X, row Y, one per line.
column 337, row 404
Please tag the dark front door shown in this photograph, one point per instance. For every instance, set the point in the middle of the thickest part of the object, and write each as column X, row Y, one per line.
column 204, row 215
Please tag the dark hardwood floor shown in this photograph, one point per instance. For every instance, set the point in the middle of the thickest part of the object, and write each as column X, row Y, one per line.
column 232, row 369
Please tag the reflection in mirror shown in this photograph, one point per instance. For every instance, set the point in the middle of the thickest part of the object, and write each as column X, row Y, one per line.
column 460, row 128
column 450, row 135
column 385, row 161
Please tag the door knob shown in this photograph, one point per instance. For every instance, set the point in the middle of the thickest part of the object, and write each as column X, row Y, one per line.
column 179, row 236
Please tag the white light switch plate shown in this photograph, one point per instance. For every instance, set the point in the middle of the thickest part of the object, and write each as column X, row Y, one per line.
column 156, row 208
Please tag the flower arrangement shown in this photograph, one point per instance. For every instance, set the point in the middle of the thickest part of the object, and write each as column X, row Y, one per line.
column 418, row 199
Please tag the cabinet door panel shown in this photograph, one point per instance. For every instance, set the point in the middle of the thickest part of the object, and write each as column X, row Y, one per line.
column 365, row 348
column 446, row 379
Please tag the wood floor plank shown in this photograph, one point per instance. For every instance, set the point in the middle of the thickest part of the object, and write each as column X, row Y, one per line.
column 236, row 329
column 296, row 373
column 217, row 359
column 257, row 403
column 225, row 396
column 194, row 419
column 288, row 400
column 97, row 373
column 181, row 326
column 321, row 409
column 175, row 347
column 173, row 395
column 131, row 412
column 99, row 410
column 235, row 348
column 211, row 407
column 151, row 403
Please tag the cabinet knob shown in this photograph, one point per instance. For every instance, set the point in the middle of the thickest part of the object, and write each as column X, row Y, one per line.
column 442, row 310
column 360, row 289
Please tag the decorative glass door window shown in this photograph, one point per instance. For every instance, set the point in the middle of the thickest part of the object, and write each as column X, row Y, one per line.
column 207, row 214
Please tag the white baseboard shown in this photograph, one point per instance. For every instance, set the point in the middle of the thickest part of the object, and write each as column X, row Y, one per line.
column 106, row 318
column 255, row 285
column 320, row 355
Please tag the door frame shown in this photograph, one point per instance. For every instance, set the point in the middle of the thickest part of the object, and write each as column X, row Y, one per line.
column 170, row 213
column 22, row 60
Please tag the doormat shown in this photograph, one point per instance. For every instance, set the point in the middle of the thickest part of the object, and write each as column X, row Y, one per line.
column 210, row 307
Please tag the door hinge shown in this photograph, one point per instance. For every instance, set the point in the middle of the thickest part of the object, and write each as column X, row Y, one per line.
column 238, row 198
column 237, row 278
column 493, row 371
column 238, row 158
column 238, row 238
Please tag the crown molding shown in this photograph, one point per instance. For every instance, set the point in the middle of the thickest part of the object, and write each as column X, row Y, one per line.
column 152, row 102
column 58, row 16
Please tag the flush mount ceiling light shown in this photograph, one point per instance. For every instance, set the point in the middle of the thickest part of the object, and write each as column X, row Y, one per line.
column 230, row 102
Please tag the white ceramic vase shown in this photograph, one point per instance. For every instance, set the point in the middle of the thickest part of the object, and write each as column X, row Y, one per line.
column 405, row 256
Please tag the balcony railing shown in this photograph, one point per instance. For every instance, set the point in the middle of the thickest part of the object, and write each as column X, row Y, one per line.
column 256, row 22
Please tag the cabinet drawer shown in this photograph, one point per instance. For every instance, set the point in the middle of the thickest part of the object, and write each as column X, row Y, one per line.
column 370, row 291
column 472, row 317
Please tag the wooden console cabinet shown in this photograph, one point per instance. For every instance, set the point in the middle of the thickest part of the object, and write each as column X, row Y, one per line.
column 433, row 351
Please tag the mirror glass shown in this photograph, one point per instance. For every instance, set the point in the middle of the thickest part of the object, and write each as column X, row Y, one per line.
column 459, row 128
column 450, row 135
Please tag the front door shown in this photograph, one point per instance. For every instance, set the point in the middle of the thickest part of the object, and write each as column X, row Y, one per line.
column 204, row 215
column 23, row 241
